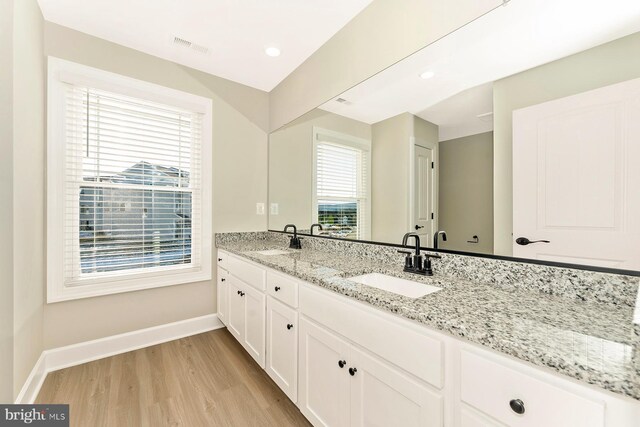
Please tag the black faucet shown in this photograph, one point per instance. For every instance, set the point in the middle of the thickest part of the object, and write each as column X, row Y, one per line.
column 435, row 238
column 294, row 243
column 415, row 264
column 316, row 225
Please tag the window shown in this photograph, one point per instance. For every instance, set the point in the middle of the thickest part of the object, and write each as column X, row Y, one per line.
column 129, row 184
column 341, row 189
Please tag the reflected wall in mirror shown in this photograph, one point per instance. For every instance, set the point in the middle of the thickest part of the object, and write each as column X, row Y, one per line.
column 501, row 138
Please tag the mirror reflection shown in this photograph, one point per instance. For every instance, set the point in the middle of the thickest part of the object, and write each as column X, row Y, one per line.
column 521, row 145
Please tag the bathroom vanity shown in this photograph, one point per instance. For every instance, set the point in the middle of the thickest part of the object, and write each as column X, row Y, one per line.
column 473, row 353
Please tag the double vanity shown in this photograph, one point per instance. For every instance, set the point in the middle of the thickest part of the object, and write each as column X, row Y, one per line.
column 353, row 339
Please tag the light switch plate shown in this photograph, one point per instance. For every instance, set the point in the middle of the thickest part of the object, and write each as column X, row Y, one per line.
column 260, row 208
column 273, row 209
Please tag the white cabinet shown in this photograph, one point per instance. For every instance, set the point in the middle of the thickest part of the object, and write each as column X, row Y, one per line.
column 341, row 385
column 223, row 295
column 324, row 377
column 282, row 347
column 384, row 396
column 520, row 400
column 246, row 318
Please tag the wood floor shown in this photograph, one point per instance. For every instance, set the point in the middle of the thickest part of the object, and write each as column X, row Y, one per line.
column 202, row 380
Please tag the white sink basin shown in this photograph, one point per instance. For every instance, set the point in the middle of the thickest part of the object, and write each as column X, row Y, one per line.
column 273, row 252
column 396, row 285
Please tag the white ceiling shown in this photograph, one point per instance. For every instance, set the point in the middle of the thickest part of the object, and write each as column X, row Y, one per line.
column 235, row 31
column 458, row 116
column 510, row 39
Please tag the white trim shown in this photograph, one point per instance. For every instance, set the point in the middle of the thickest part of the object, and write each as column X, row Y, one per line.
column 77, row 354
column 337, row 138
column 60, row 70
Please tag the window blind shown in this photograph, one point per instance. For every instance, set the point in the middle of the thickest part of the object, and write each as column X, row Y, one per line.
column 342, row 188
column 132, row 185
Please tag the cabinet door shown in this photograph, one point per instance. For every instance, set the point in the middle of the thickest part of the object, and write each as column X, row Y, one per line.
column 323, row 396
column 383, row 396
column 223, row 296
column 254, row 324
column 235, row 312
column 282, row 347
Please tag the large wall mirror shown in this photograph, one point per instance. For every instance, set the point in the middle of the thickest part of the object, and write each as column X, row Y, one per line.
column 516, row 135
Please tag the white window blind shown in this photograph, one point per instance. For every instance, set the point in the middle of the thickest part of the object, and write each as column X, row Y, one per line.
column 342, row 184
column 133, row 187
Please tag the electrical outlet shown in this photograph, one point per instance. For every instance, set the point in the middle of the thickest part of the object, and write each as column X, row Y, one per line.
column 273, row 210
column 260, row 208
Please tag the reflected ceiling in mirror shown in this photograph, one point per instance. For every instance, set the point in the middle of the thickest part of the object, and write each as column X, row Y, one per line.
column 522, row 124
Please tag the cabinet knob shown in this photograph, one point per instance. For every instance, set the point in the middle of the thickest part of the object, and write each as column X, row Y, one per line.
column 352, row 371
column 219, row 259
column 241, row 294
column 277, row 288
column 223, row 279
column 517, row 406
column 342, row 363
column 238, row 292
column 289, row 326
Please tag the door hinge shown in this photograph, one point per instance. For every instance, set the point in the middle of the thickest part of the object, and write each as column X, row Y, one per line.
column 432, row 216
column 432, row 165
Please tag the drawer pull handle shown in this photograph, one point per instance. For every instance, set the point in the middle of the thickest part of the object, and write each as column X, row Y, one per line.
column 517, row 406
column 238, row 292
column 342, row 363
column 289, row 326
column 277, row 288
column 352, row 371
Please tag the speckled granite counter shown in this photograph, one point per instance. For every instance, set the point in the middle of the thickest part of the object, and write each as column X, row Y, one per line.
column 594, row 342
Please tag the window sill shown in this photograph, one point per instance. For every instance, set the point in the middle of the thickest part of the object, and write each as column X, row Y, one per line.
column 126, row 284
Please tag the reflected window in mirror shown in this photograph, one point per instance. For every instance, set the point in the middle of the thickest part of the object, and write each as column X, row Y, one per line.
column 342, row 184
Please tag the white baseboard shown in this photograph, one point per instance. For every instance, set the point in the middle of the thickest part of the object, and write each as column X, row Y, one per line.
column 77, row 354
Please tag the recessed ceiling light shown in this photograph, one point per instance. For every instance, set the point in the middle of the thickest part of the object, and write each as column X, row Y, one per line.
column 272, row 51
column 427, row 75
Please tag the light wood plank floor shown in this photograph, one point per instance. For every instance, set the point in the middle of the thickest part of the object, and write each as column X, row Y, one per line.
column 202, row 380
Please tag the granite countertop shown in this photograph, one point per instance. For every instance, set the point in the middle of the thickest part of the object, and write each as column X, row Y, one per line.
column 593, row 342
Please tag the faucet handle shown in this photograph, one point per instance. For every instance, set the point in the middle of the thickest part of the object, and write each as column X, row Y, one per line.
column 427, row 256
column 404, row 252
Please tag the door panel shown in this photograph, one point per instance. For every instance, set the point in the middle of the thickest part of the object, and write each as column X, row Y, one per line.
column 383, row 396
column 324, row 386
column 254, row 323
column 282, row 347
column 235, row 313
column 574, row 178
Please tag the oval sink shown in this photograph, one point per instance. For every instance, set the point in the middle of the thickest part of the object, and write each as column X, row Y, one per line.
column 272, row 252
column 396, row 285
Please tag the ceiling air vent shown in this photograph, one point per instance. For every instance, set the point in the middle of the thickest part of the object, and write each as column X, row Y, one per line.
column 190, row 45
column 341, row 100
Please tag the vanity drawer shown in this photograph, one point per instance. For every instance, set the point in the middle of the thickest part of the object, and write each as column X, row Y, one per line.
column 283, row 288
column 222, row 259
column 398, row 341
column 247, row 272
column 490, row 387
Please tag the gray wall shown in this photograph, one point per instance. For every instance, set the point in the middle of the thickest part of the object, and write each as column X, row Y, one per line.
column 6, row 195
column 382, row 34
column 466, row 192
column 240, row 117
column 600, row 66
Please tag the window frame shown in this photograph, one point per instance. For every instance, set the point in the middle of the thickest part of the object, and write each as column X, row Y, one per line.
column 60, row 73
column 350, row 141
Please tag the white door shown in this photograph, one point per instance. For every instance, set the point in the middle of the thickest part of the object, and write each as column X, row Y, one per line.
column 282, row 347
column 254, row 323
column 235, row 313
column 223, row 293
column 576, row 179
column 323, row 395
column 424, row 193
column 382, row 396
